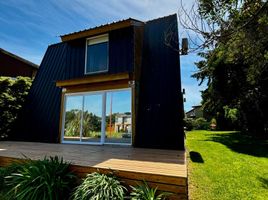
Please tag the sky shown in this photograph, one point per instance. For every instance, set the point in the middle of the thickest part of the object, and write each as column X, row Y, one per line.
column 119, row 99
column 27, row 27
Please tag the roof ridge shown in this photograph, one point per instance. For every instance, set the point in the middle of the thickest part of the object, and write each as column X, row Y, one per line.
column 175, row 14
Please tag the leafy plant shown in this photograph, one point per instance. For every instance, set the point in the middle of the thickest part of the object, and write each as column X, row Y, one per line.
column 231, row 113
column 91, row 123
column 98, row 186
column 213, row 124
column 3, row 173
column 13, row 93
column 201, row 124
column 43, row 179
column 6, row 171
column 188, row 123
column 144, row 192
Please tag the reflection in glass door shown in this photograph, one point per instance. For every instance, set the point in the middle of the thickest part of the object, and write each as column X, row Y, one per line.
column 98, row 117
column 118, row 117
column 92, row 118
column 72, row 125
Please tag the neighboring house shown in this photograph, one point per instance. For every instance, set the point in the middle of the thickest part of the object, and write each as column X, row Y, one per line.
column 127, row 66
column 122, row 123
column 195, row 112
column 12, row 65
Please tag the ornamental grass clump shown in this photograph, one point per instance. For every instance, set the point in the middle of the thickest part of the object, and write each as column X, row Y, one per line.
column 98, row 186
column 6, row 171
column 47, row 179
column 144, row 192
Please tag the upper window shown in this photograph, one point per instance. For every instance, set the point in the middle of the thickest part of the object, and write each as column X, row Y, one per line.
column 97, row 54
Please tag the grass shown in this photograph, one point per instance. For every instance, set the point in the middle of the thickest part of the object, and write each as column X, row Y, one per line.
column 226, row 165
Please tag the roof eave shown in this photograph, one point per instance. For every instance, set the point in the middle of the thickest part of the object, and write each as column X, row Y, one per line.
column 100, row 30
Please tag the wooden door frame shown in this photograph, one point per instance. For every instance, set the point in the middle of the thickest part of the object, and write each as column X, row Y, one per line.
column 91, row 90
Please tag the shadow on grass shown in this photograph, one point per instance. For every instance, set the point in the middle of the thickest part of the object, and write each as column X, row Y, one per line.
column 264, row 182
column 241, row 143
column 196, row 157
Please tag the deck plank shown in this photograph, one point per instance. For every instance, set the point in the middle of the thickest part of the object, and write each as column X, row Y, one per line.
column 165, row 169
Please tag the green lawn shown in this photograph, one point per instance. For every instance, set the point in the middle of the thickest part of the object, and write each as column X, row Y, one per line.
column 226, row 165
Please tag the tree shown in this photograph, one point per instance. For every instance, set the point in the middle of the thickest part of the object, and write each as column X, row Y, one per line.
column 90, row 123
column 235, row 65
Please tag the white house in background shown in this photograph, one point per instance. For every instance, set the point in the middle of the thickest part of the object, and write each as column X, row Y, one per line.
column 123, row 123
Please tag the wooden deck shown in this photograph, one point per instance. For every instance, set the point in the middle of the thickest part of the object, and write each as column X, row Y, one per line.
column 165, row 169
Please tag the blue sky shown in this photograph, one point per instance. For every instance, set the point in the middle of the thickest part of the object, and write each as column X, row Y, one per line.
column 121, row 102
column 27, row 27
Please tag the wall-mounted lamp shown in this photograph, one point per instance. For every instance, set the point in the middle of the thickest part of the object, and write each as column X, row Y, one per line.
column 184, row 46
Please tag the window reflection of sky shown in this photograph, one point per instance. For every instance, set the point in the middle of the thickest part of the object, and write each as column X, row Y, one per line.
column 93, row 104
column 73, row 102
column 121, row 102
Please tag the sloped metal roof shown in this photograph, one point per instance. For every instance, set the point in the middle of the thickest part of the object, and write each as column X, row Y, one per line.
column 101, row 29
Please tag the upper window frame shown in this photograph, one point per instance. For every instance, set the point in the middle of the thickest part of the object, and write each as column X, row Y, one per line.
column 96, row 40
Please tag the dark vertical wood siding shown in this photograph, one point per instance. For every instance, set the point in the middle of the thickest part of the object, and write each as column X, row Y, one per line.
column 39, row 120
column 40, row 117
column 121, row 51
column 160, row 112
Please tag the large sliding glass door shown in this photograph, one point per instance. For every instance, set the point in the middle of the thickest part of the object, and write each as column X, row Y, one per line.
column 98, row 117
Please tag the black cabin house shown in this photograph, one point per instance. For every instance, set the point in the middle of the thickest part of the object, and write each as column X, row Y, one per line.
column 117, row 83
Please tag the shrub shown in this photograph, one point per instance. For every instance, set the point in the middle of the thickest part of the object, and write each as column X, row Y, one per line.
column 213, row 124
column 201, row 124
column 231, row 113
column 98, row 186
column 188, row 123
column 13, row 93
column 144, row 192
column 48, row 179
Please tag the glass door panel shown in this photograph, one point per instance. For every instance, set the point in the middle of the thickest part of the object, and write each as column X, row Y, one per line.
column 72, row 124
column 92, row 118
column 118, row 117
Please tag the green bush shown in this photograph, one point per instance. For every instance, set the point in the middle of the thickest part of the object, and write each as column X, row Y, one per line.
column 48, row 179
column 98, row 186
column 13, row 93
column 201, row 124
column 196, row 124
column 188, row 123
column 213, row 124
column 144, row 192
